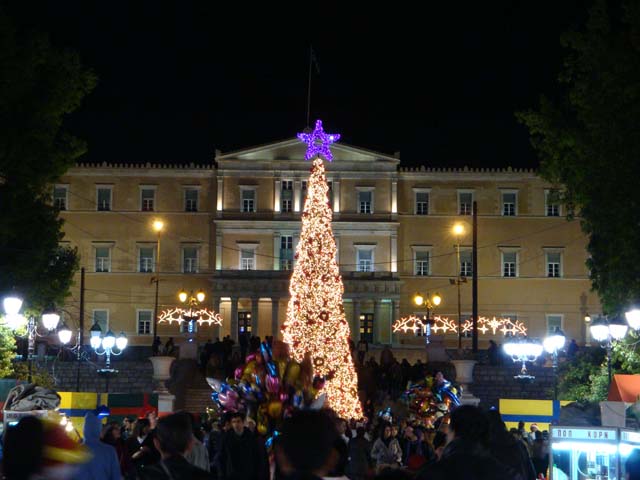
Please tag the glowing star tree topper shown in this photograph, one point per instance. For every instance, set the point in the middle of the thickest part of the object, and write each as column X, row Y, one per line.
column 318, row 142
column 316, row 323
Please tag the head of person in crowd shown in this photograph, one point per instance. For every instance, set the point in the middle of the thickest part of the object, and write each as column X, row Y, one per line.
column 142, row 428
column 126, row 423
column 438, row 377
column 174, row 435
column 111, row 433
column 360, row 432
column 385, row 431
column 251, row 424
column 23, row 449
column 152, row 416
column 394, row 431
column 237, row 423
column 225, row 422
column 632, row 466
column 305, row 447
column 533, row 428
column 469, row 424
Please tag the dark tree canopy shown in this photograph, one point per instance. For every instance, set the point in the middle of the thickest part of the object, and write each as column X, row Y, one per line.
column 39, row 86
column 589, row 145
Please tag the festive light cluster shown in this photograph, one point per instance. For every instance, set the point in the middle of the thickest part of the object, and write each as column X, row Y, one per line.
column 318, row 142
column 316, row 324
column 181, row 315
column 506, row 326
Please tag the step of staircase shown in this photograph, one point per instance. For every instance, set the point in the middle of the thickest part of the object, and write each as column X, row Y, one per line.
column 197, row 400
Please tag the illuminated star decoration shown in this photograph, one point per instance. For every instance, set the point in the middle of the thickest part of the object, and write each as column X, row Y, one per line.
column 318, row 142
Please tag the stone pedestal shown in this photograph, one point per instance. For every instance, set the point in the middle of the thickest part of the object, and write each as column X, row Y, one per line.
column 464, row 376
column 161, row 372
column 166, row 403
column 435, row 349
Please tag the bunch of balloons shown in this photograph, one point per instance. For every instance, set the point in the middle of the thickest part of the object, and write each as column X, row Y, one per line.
column 431, row 403
column 268, row 387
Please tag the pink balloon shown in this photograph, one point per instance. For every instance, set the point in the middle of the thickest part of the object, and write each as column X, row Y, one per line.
column 238, row 373
column 273, row 384
column 284, row 396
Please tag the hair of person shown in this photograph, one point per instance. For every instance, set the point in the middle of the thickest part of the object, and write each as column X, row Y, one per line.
column 469, row 423
column 360, row 431
column 23, row 449
column 239, row 415
column 342, row 451
column 383, row 426
column 107, row 432
column 140, row 426
column 632, row 465
column 307, row 439
column 174, row 433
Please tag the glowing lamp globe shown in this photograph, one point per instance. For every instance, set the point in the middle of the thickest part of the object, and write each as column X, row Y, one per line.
column 617, row 328
column 50, row 320
column 200, row 296
column 122, row 341
column 437, row 299
column 182, row 296
column 95, row 342
column 64, row 334
column 418, row 299
column 158, row 225
column 109, row 340
column 599, row 330
column 555, row 341
column 16, row 321
column 458, row 229
column 633, row 318
column 12, row 305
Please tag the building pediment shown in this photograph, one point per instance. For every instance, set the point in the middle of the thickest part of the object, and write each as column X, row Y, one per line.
column 289, row 155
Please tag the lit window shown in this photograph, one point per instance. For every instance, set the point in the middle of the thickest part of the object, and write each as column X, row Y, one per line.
column 365, row 201
column 104, row 199
column 364, row 260
column 248, row 200
column 103, row 259
column 247, row 259
column 191, row 200
column 286, row 252
column 286, row 196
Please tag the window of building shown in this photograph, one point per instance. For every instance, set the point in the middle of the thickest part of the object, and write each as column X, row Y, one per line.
column 144, row 321
column 421, row 262
column 101, row 317
column 286, row 252
column 189, row 326
column 509, row 204
column 330, row 194
column 247, row 259
column 365, row 201
column 147, row 199
column 191, row 199
column 509, row 264
column 60, row 196
column 554, row 321
column 466, row 263
column 366, row 327
column 554, row 264
column 248, row 196
column 146, row 259
column 421, row 203
column 364, row 259
column 190, row 259
column 103, row 197
column 465, row 203
column 244, row 323
column 551, row 204
column 303, row 192
column 286, row 196
column 103, row 259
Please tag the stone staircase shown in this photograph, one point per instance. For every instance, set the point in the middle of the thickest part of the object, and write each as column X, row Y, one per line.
column 198, row 399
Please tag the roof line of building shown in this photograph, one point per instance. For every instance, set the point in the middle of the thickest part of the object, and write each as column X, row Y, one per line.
column 465, row 169
column 163, row 166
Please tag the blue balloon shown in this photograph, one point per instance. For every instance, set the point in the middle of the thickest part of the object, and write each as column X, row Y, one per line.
column 272, row 368
column 214, row 397
column 265, row 350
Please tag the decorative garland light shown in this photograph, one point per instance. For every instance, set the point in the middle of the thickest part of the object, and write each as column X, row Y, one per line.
column 318, row 142
column 180, row 315
column 506, row 326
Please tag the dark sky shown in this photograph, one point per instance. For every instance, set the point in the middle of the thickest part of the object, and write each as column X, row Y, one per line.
column 438, row 81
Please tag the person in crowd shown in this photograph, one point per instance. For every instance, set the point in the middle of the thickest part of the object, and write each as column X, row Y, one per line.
column 169, row 347
column 111, row 435
column 492, row 353
column 363, row 348
column 340, row 457
column 386, row 450
column 343, row 431
column 141, row 450
column 632, row 466
column 466, row 456
column 156, row 345
column 439, row 442
column 533, row 428
column 197, row 454
column 239, row 456
column 128, row 424
column 243, row 340
column 23, row 449
column 508, row 450
column 218, row 429
column 306, row 447
column 104, row 463
column 173, row 439
column 415, row 452
column 359, row 456
column 572, row 349
column 540, row 454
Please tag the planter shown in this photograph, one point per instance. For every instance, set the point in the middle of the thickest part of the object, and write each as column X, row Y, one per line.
column 464, row 376
column 161, row 372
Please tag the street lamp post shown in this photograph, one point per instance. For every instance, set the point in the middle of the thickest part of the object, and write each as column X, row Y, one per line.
column 158, row 227
column 15, row 320
column 430, row 303
column 458, row 231
column 606, row 331
column 107, row 345
column 193, row 301
column 523, row 350
column 553, row 344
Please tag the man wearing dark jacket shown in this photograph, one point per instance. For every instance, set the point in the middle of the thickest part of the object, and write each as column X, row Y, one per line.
column 174, row 436
column 239, row 457
column 466, row 457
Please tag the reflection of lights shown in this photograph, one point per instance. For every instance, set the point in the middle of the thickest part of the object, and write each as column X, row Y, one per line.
column 69, row 427
column 181, row 315
column 595, row 447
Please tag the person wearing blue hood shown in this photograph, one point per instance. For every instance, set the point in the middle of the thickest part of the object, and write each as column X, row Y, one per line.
column 104, row 462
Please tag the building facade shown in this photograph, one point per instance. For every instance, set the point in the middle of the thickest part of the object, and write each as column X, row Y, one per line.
column 231, row 230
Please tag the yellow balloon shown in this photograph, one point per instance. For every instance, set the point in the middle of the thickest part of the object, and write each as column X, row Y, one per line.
column 293, row 372
column 262, row 429
column 275, row 409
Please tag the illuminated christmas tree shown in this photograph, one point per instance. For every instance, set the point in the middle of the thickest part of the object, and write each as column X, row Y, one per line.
column 316, row 323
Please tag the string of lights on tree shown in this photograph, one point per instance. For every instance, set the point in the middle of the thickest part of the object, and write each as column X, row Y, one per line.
column 439, row 324
column 316, row 325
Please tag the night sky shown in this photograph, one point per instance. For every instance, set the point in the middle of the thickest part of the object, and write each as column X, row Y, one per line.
column 440, row 83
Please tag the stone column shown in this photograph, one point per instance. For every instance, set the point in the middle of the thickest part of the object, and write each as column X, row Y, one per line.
column 219, row 250
column 394, row 196
column 233, row 324
column 254, row 315
column 394, row 252
column 356, row 320
column 216, row 308
column 336, row 196
column 297, row 202
column 276, row 197
column 220, row 195
column 275, row 310
column 276, row 250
